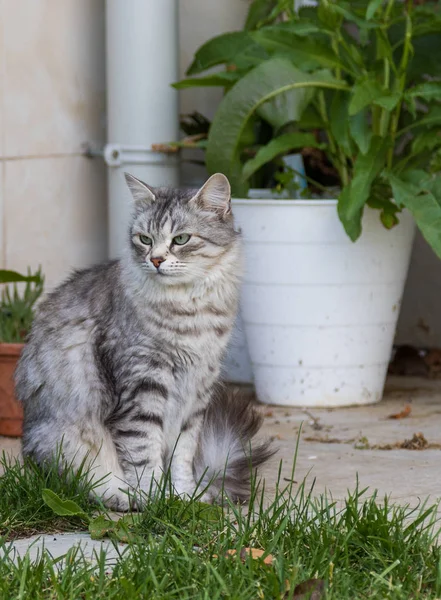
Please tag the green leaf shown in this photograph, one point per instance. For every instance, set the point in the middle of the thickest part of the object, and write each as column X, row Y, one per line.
column 424, row 202
column 364, row 93
column 431, row 90
column 259, row 10
column 302, row 27
column 426, row 139
column 352, row 226
column 372, row 8
column 417, row 177
column 432, row 117
column 223, row 79
column 14, row 277
column 286, row 108
column 120, row 530
column 267, row 80
column 388, row 219
column 369, row 91
column 305, row 53
column 100, row 527
column 388, row 101
column 252, row 56
column 354, row 196
column 329, row 19
column 63, row 508
column 219, row 50
column 360, row 131
column 380, row 199
column 343, row 9
column 279, row 145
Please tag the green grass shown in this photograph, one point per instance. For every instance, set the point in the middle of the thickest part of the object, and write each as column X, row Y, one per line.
column 363, row 548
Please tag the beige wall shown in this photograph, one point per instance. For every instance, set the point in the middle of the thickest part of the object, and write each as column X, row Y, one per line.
column 52, row 99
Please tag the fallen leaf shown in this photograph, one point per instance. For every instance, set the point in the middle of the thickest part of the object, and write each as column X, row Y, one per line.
column 63, row 508
column 402, row 414
column 312, row 589
column 418, row 442
column 100, row 527
column 268, row 413
column 253, row 552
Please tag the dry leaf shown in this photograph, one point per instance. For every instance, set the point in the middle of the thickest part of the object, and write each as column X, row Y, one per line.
column 402, row 414
column 418, row 442
column 253, row 552
column 268, row 413
column 312, row 589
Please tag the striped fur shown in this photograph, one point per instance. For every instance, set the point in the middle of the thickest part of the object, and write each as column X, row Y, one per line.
column 122, row 359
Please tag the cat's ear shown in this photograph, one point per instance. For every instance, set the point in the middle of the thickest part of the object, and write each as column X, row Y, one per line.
column 215, row 195
column 141, row 192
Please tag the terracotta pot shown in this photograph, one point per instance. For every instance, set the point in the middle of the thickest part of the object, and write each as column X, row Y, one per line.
column 11, row 412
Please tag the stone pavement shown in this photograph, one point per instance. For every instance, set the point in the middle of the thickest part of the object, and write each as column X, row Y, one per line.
column 338, row 444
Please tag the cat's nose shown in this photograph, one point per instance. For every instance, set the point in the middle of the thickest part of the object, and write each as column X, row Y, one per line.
column 157, row 260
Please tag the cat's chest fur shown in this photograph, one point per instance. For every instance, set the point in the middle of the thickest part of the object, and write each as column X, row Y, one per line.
column 194, row 335
column 192, row 330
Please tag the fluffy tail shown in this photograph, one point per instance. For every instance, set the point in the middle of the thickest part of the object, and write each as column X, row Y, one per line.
column 226, row 457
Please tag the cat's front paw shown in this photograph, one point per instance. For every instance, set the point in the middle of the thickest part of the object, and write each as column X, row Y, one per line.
column 119, row 502
column 115, row 495
column 188, row 490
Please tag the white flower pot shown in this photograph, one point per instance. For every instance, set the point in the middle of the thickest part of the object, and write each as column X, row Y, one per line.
column 319, row 311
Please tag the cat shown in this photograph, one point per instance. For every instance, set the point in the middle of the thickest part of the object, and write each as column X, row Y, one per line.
column 122, row 361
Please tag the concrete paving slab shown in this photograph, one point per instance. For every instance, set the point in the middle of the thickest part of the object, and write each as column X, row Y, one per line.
column 331, row 441
column 57, row 546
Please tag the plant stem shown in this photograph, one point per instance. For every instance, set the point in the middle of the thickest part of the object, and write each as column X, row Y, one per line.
column 401, row 84
column 385, row 113
column 388, row 9
column 313, row 182
column 341, row 155
column 339, row 159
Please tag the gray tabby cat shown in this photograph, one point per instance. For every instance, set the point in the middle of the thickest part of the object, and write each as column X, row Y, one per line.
column 123, row 358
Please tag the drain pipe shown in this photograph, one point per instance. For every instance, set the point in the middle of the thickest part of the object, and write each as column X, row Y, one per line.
column 142, row 108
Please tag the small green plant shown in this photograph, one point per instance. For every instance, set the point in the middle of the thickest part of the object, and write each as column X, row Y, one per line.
column 354, row 86
column 17, row 306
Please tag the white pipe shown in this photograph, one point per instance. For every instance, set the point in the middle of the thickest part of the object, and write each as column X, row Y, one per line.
column 142, row 108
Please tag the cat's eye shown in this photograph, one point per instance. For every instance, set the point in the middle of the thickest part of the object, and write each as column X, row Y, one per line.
column 182, row 239
column 145, row 240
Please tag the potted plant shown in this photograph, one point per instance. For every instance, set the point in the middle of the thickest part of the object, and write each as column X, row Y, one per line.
column 356, row 88
column 16, row 313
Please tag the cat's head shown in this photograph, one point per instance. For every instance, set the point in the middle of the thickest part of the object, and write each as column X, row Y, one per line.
column 182, row 236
